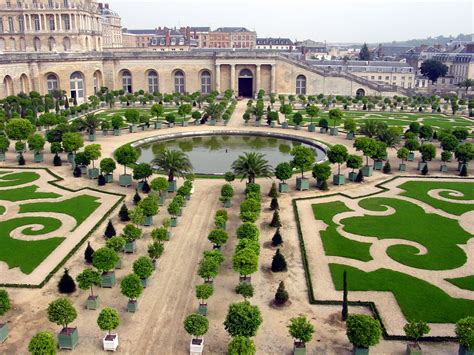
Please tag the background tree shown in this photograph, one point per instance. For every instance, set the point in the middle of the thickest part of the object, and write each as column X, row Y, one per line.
column 72, row 142
column 131, row 287
column 243, row 319
column 283, row 171
column 416, row 329
column 218, row 237
column 36, row 142
column 105, row 259
column 428, row 152
column 245, row 262
column 364, row 53
column 312, row 111
column 335, row 114
column 93, row 152
column 66, row 284
column 143, row 267
column 126, row 155
column 43, row 343
column 321, row 172
column 433, row 69
column 196, row 325
column 174, row 163
column 301, row 329
column 338, row 154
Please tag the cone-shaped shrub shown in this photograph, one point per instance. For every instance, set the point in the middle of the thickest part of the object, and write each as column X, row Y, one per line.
column 360, row 176
column 101, row 180
column 424, row 171
column 273, row 191
column 123, row 213
column 145, row 187
column 66, row 284
column 278, row 262
column 277, row 239
column 136, row 198
column 281, row 296
column 275, row 223
column 88, row 253
column 387, row 169
column 110, row 230
column 274, row 204
column 57, row 160
column 463, row 171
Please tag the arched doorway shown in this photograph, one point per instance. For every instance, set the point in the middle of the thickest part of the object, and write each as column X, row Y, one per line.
column 360, row 93
column 77, row 86
column 246, row 83
column 25, row 84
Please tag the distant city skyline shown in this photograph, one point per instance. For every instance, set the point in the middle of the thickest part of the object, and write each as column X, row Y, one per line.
column 347, row 21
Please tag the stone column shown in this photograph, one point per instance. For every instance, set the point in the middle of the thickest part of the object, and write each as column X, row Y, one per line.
column 232, row 77
column 60, row 22
column 258, row 79
column 273, row 79
column 29, row 22
column 218, row 78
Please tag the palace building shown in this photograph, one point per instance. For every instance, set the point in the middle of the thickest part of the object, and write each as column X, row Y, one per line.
column 77, row 46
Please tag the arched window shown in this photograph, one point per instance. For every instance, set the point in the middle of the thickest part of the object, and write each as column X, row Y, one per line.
column 22, row 44
column 2, row 45
column 37, row 44
column 77, row 85
column 205, row 82
column 87, row 43
column 67, row 44
column 97, row 81
column 51, row 44
column 25, row 84
column 360, row 93
column 12, row 44
column 127, row 81
column 179, row 82
column 8, row 83
column 52, row 83
column 301, row 85
column 245, row 73
column 152, row 81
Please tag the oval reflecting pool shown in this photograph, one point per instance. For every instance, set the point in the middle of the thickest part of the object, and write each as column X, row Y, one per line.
column 214, row 154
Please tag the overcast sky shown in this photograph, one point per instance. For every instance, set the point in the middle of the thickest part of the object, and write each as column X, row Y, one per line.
column 329, row 20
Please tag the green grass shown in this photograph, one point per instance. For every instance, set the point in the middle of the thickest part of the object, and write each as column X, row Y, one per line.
column 466, row 283
column 438, row 234
column 25, row 193
column 79, row 207
column 2, row 210
column 418, row 299
column 27, row 255
column 334, row 243
column 15, row 179
column 419, row 190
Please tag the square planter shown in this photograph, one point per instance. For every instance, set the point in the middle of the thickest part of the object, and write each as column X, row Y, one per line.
column 110, row 342
column 148, row 221
column 2, row 156
column 421, row 165
column 402, row 167
column 92, row 302
column 443, row 168
column 209, row 282
column 367, row 171
column 297, row 127
column 411, row 156
column 212, row 122
column 202, row 310
column 257, row 123
column 334, row 131
column 284, row 125
column 350, row 136
column 185, row 123
column 140, row 185
column 352, row 176
column 107, row 279
column 92, row 137
column 464, row 351
column 197, row 122
column 196, row 346
column 460, row 166
column 228, row 204
column 157, row 124
column 299, row 348
column 84, row 170
column 130, row 247
column 68, row 338
column 161, row 200
column 338, row 180
column 109, row 178
column 359, row 351
column 143, row 127
column 117, row 132
column 302, row 184
column 38, row 157
column 311, row 128
column 3, row 332
column 170, row 125
column 132, row 128
column 282, row 187
column 174, row 221
column 104, row 132
column 272, row 124
column 323, row 130
column 125, row 180
column 93, row 173
column 180, row 212
column 172, row 186
column 118, row 265
column 245, row 279
column 413, row 349
column 70, row 157
column 378, row 165
column 132, row 306
column 145, row 282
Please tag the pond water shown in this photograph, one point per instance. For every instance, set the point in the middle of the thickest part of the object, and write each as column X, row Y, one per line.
column 215, row 154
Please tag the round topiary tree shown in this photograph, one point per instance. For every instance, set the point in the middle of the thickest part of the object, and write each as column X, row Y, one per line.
column 302, row 330
column 245, row 262
column 196, row 325
column 126, row 155
column 415, row 330
column 245, row 290
column 218, row 237
column 105, row 259
column 108, row 320
column 240, row 345
column 88, row 279
column 43, row 343
column 363, row 331
column 303, row 158
column 143, row 268
column 62, row 312
column 131, row 287
column 243, row 319
column 248, row 230
column 465, row 333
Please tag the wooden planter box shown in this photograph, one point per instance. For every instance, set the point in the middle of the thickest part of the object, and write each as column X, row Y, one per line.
column 172, row 186
column 104, row 132
column 118, row 266
column 352, row 176
column 414, row 349
column 157, row 124
column 83, row 170
column 109, row 178
column 2, row 156
column 197, row 122
column 130, row 247
column 108, row 279
column 228, row 204
column 3, row 332
column 367, row 171
column 145, row 282
column 443, row 168
column 68, row 338
column 148, row 221
column 245, row 279
column 174, row 221
column 132, row 128
column 334, row 131
column 93, row 173
column 323, row 130
column 402, row 167
column 125, row 180
column 70, row 157
column 196, row 346
column 284, row 125
column 302, row 184
column 282, row 187
column 132, row 306
column 272, row 124
column 180, row 212
column 110, row 342
column 117, row 132
column 299, row 348
column 378, row 165
column 350, row 136
column 411, row 156
column 185, row 123
column 140, row 185
column 421, row 165
column 257, row 123
column 311, row 128
column 92, row 137
column 212, row 122
column 464, row 351
column 202, row 309
column 359, row 351
column 338, row 180
column 92, row 303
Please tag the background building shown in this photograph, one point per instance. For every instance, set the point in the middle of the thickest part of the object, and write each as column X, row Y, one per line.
column 278, row 44
column 232, row 37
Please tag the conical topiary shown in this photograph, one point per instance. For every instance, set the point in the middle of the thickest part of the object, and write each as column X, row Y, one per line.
column 278, row 262
column 101, row 180
column 110, row 230
column 66, row 283
column 424, row 171
column 387, row 169
column 275, row 223
column 463, row 171
column 88, row 253
column 273, row 191
column 77, row 172
column 324, row 185
column 146, row 187
column 57, row 160
column 281, row 296
column 360, row 176
column 123, row 213
column 21, row 160
column 136, row 198
column 274, row 205
column 277, row 239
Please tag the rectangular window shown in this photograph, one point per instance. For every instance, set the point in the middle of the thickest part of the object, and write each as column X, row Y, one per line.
column 66, row 3
column 52, row 26
column 10, row 24
column 36, row 21
column 387, row 78
column 50, row 4
column 67, row 22
column 21, row 23
column 1, row 24
column 380, row 77
column 372, row 77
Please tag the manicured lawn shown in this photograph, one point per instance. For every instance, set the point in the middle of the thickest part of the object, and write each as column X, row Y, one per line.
column 466, row 283
column 438, row 234
column 334, row 243
column 2, row 210
column 79, row 207
column 27, row 255
column 419, row 190
column 418, row 300
column 25, row 193
column 15, row 179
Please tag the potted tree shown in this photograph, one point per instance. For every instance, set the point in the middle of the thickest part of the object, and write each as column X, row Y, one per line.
column 367, row 146
column 132, row 288
column 303, row 159
column 218, row 237
column 173, row 210
column 160, row 185
column 428, row 152
column 297, row 119
column 363, row 332
column 302, row 330
column 4, row 144
column 109, row 320
column 353, row 162
column 464, row 332
column 415, row 330
column 379, row 154
column 338, row 154
column 350, row 127
column 141, row 172
column 245, row 262
column 203, row 293
column 402, row 154
column 283, row 172
column 81, row 162
column 132, row 117
column 227, row 192
column 87, row 280
column 43, row 343
column 131, row 233
column 92, row 122
column 126, row 155
column 241, row 345
column 323, row 125
column 116, row 243
column 412, row 145
column 4, row 308
column 117, row 123
column 36, row 143
column 446, row 156
column 72, row 142
column 208, row 269
column 157, row 111
column 143, row 268
column 150, row 209
column 196, row 325
column 107, row 167
column 105, row 125
column 312, row 111
column 336, row 115
column 155, row 250
column 19, row 129
column 243, row 319
column 62, row 312
column 175, row 163
column 464, row 153
column 93, row 152
column 104, row 260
